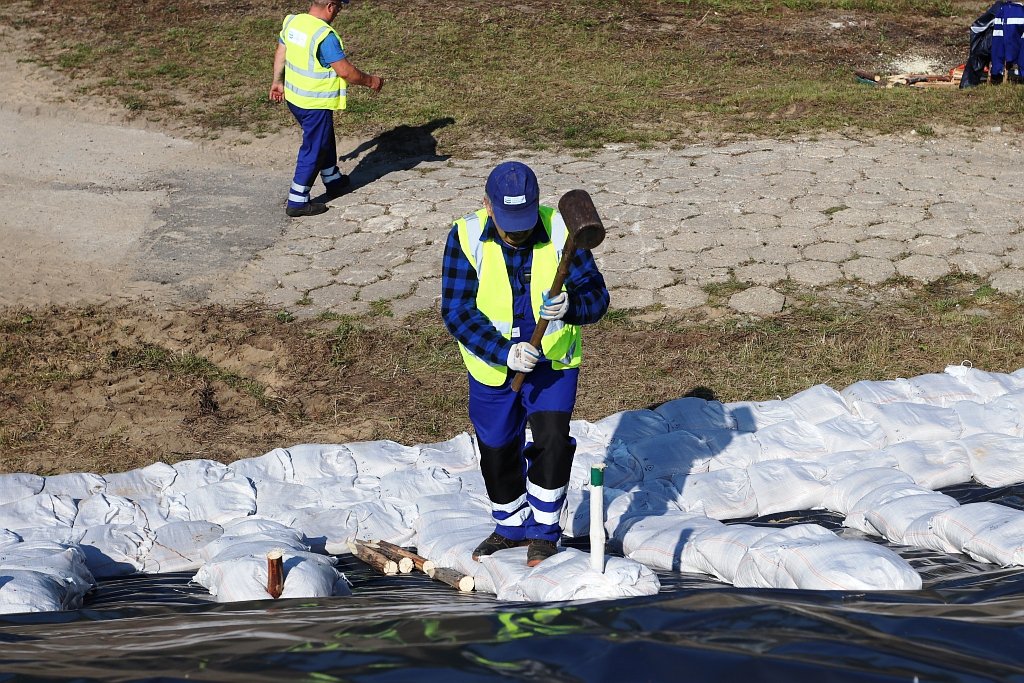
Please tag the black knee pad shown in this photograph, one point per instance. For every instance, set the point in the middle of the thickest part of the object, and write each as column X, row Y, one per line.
column 551, row 452
column 503, row 471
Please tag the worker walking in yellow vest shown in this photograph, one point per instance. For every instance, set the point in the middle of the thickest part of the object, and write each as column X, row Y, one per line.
column 499, row 263
column 311, row 74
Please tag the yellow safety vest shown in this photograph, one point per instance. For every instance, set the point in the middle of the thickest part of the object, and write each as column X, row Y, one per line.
column 307, row 83
column 561, row 342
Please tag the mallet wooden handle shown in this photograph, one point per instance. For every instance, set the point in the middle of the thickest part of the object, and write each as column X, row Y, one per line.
column 556, row 286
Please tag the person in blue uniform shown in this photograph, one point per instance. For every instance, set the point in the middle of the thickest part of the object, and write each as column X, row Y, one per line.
column 311, row 74
column 499, row 263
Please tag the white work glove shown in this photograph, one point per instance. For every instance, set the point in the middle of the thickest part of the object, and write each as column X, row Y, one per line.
column 554, row 308
column 523, row 357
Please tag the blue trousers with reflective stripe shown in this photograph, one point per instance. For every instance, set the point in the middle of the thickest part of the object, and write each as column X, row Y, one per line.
column 317, row 153
column 526, row 482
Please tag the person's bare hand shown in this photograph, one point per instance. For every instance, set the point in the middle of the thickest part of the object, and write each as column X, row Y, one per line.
column 376, row 83
column 277, row 92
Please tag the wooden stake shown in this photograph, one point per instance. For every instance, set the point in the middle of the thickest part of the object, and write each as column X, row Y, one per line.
column 275, row 574
column 452, row 578
column 418, row 561
column 374, row 558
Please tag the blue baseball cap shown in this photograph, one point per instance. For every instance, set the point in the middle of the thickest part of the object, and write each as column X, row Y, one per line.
column 514, row 196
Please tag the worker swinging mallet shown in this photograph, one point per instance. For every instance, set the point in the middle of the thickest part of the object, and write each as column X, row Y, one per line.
column 586, row 231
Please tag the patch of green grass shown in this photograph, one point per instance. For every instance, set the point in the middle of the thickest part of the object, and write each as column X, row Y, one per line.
column 835, row 209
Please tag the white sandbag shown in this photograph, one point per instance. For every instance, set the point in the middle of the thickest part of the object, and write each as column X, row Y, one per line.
column 876, row 497
column 244, row 577
column 40, row 510
column 663, row 455
column 985, row 385
column 75, row 485
column 247, row 532
column 996, row 459
column 568, row 576
column 448, row 536
column 193, row 474
column 42, row 577
column 1001, row 541
column 222, row 502
column 632, row 425
column 343, row 492
column 273, row 465
column 697, row 415
column 753, row 416
column 325, row 531
column 892, row 520
column 783, row 485
column 274, row 498
column 14, row 487
column 664, row 541
column 843, row 463
column 103, row 508
column 723, row 494
column 933, row 464
column 921, row 534
column 63, row 535
column 794, row 439
column 455, row 455
column 144, row 482
column 959, row 525
column 913, row 421
column 940, row 389
column 447, row 502
column 622, row 470
column 850, row 433
column 719, row 550
column 377, row 458
column 575, row 515
column 8, row 537
column 163, row 510
column 387, row 519
column 653, row 499
column 177, row 546
column 818, row 404
column 810, row 557
column 1000, row 416
column 844, row 494
column 732, row 449
column 116, row 549
column 584, row 430
column 317, row 461
column 427, row 480
column 876, row 392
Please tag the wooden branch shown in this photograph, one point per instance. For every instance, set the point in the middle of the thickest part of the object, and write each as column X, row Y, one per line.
column 394, row 551
column 275, row 574
column 453, row 578
column 374, row 558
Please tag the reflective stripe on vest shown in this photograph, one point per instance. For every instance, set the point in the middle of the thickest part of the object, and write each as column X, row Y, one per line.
column 307, row 83
column 561, row 342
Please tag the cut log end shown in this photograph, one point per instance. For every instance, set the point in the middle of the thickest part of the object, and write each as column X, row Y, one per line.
column 275, row 574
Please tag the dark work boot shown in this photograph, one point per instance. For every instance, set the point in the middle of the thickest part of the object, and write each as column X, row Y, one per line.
column 538, row 551
column 307, row 209
column 337, row 188
column 493, row 544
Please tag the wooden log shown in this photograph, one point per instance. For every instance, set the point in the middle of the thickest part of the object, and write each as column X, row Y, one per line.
column 866, row 75
column 453, row 578
column 275, row 574
column 418, row 561
column 390, row 551
column 374, row 558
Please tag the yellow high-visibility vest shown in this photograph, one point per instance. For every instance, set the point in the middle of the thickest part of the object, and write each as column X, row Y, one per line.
column 307, row 83
column 562, row 342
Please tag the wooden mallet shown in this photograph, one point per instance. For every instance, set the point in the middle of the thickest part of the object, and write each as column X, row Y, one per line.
column 585, row 232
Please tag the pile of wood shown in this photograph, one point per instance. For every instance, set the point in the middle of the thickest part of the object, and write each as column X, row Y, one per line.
column 390, row 559
column 910, row 80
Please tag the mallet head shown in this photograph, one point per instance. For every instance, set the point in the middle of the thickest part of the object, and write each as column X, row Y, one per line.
column 580, row 216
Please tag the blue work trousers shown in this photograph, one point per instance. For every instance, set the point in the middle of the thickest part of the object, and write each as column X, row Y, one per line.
column 526, row 482
column 318, row 153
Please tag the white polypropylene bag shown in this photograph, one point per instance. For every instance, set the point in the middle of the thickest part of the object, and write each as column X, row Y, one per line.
column 75, row 485
column 697, row 415
column 941, row 389
column 42, row 576
column 875, row 392
column 632, row 425
column 276, row 499
column 116, row 549
column 719, row 550
column 274, row 465
column 843, row 463
column 1001, row 541
column 961, row 524
column 810, row 557
column 663, row 455
column 14, row 487
column 40, row 510
column 1001, row 416
column 753, row 416
column 144, row 482
column 664, row 541
column 985, row 385
column 893, row 519
column 568, row 576
column 794, row 439
column 221, row 502
column 914, row 421
column 850, row 433
column 378, row 458
column 844, row 494
column 783, row 485
column 933, row 464
column 104, row 508
column 818, row 404
column 239, row 577
column 177, row 546
column 723, row 494
column 319, row 461
column 455, row 455
column 996, row 459
column 876, row 497
column 192, row 474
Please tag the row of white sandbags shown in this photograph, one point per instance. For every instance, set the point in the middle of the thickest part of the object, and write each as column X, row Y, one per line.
column 41, row 576
column 450, row 527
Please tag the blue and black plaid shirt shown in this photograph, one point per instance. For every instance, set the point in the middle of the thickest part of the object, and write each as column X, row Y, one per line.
column 588, row 295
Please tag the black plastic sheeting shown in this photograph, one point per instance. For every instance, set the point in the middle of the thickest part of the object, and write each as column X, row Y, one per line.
column 967, row 624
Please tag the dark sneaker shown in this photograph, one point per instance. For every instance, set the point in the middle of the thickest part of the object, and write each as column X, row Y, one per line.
column 538, row 551
column 337, row 188
column 307, row 209
column 493, row 544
